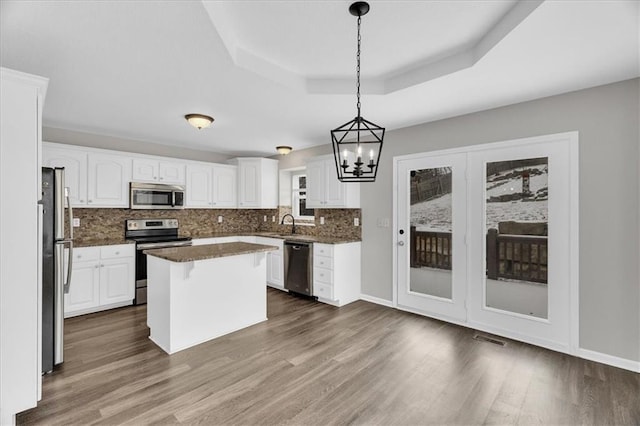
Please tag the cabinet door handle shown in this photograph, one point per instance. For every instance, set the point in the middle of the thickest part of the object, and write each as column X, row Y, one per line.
column 117, row 252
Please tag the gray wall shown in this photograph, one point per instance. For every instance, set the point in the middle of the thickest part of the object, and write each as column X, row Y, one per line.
column 71, row 137
column 607, row 118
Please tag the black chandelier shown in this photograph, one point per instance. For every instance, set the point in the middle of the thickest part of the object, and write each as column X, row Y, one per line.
column 357, row 144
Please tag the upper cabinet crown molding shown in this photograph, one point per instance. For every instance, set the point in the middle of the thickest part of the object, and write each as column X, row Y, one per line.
column 324, row 190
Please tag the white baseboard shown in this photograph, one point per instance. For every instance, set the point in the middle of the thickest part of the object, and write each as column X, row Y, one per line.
column 625, row 364
column 376, row 300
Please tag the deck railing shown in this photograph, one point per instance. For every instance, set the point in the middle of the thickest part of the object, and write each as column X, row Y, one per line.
column 431, row 249
column 519, row 257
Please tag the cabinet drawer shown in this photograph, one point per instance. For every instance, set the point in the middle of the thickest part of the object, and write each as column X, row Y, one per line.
column 86, row 254
column 322, row 250
column 323, row 262
column 323, row 276
column 113, row 252
column 323, row 290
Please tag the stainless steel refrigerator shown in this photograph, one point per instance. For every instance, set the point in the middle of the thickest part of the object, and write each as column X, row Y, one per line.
column 55, row 280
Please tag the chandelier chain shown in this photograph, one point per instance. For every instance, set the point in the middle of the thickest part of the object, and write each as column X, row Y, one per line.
column 358, row 66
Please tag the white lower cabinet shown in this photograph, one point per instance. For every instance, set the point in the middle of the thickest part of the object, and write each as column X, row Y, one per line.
column 102, row 278
column 275, row 262
column 336, row 273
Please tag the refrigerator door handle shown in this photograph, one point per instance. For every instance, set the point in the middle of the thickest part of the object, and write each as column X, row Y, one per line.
column 70, row 210
column 67, row 282
column 58, row 338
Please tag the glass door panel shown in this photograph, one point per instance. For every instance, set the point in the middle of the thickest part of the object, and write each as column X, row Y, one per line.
column 431, row 253
column 516, row 225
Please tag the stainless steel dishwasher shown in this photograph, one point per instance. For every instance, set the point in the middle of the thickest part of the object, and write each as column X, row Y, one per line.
column 298, row 267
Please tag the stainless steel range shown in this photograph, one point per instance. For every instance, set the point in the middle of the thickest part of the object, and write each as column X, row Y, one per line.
column 151, row 234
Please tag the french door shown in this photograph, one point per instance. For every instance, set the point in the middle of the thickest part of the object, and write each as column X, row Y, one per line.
column 487, row 237
column 432, row 223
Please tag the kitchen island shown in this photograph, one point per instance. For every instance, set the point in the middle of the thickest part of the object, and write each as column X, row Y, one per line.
column 198, row 293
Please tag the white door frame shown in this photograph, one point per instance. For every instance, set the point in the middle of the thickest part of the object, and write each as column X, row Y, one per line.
column 570, row 137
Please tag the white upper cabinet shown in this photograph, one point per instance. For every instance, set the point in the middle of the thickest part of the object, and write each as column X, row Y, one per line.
column 211, row 186
column 257, row 183
column 108, row 182
column 224, row 186
column 75, row 171
column 324, row 190
column 149, row 170
column 198, row 188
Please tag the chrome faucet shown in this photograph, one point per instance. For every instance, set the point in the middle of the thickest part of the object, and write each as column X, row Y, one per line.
column 293, row 229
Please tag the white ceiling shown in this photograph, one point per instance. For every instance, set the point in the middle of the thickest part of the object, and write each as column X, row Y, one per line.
column 283, row 72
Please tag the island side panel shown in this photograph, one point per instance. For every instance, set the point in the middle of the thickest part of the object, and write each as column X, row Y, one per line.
column 158, row 301
column 214, row 297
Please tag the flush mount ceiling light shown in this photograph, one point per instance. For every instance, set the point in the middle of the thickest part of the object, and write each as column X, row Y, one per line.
column 199, row 121
column 358, row 136
column 283, row 150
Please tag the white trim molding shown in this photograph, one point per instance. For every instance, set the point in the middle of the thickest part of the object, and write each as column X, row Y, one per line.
column 377, row 300
column 625, row 364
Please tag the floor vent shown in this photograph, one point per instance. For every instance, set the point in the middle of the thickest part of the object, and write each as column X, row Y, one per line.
column 483, row 338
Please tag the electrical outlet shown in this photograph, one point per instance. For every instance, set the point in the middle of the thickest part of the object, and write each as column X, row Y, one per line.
column 76, row 222
column 220, row 219
column 321, row 220
column 273, row 219
column 356, row 221
column 265, row 218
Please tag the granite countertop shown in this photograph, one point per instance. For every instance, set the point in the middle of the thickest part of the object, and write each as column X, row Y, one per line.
column 208, row 251
column 108, row 241
column 294, row 237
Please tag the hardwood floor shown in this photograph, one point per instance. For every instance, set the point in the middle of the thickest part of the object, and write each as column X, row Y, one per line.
column 313, row 364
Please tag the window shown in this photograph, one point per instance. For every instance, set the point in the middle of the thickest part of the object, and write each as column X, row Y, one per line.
column 299, row 198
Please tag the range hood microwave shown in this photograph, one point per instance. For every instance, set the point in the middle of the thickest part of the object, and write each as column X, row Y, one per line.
column 156, row 196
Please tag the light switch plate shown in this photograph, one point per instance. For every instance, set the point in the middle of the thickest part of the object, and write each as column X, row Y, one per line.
column 356, row 221
column 383, row 222
column 265, row 218
column 220, row 219
column 273, row 219
column 321, row 220
column 76, row 222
